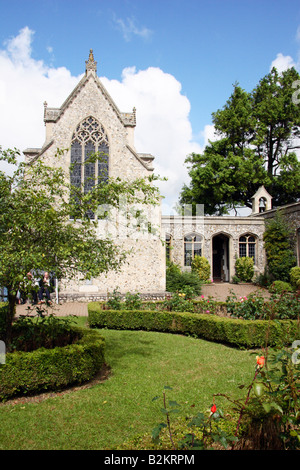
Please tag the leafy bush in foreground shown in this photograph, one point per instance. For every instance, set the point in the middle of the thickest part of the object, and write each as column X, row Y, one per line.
column 267, row 418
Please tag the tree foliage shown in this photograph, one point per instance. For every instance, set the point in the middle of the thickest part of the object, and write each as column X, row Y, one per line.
column 279, row 244
column 38, row 230
column 257, row 138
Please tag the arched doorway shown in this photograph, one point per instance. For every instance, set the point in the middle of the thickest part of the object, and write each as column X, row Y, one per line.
column 220, row 258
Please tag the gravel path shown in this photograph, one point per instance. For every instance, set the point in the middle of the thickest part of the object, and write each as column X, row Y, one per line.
column 69, row 308
column 220, row 291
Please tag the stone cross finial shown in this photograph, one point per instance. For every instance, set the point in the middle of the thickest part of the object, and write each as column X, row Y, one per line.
column 91, row 65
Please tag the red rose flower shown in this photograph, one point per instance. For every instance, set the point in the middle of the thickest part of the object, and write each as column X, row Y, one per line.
column 213, row 408
column 260, row 361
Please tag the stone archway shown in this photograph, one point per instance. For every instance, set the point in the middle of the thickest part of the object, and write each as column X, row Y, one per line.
column 220, row 258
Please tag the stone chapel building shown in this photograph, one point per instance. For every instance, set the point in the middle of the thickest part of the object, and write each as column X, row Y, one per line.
column 90, row 121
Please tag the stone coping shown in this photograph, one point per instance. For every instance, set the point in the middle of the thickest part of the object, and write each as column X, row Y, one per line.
column 98, row 296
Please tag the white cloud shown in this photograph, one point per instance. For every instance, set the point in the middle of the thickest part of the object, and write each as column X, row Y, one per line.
column 163, row 126
column 209, row 134
column 25, row 84
column 129, row 28
column 283, row 62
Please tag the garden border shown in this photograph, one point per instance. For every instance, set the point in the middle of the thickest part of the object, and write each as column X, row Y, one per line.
column 246, row 334
column 27, row 373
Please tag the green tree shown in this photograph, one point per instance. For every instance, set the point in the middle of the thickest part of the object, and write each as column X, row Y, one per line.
column 257, row 141
column 278, row 242
column 39, row 230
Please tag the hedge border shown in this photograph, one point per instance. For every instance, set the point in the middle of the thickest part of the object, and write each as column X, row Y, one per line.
column 247, row 334
column 28, row 373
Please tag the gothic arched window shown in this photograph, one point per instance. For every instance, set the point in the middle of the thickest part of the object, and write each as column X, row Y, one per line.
column 247, row 246
column 88, row 139
column 192, row 247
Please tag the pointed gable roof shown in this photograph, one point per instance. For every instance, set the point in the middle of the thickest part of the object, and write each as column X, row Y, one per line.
column 54, row 114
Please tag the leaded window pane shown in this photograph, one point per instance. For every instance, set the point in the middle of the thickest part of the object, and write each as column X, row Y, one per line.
column 243, row 250
column 251, row 251
column 89, row 138
column 89, row 167
column 197, row 249
column 76, row 155
column 103, row 162
column 75, row 174
column 188, row 255
column 247, row 246
column 192, row 248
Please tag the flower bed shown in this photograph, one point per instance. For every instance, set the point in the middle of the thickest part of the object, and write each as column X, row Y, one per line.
column 284, row 306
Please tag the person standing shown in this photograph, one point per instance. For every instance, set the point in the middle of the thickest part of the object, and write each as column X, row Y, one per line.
column 45, row 288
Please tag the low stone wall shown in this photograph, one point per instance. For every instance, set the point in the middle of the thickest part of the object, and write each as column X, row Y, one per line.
column 98, row 297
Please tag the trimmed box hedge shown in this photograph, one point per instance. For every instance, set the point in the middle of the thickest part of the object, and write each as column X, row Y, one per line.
column 52, row 369
column 240, row 333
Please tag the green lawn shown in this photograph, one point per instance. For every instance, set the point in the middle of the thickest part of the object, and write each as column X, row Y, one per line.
column 113, row 412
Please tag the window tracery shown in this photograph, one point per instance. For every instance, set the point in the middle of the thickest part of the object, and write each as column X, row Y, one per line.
column 88, row 139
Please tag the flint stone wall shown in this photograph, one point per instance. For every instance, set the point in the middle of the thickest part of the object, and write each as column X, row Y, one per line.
column 209, row 227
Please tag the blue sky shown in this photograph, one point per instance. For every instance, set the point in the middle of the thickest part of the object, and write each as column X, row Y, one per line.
column 197, row 48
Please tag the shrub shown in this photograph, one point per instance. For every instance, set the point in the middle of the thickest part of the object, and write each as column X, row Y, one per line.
column 278, row 240
column 209, row 306
column 278, row 287
column 295, row 276
column 48, row 331
column 245, row 334
column 177, row 281
column 263, row 279
column 235, row 279
column 244, row 268
column 248, row 308
column 132, row 301
column 178, row 302
column 201, row 266
column 114, row 300
column 283, row 306
column 52, row 369
column 173, row 268
column 271, row 419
